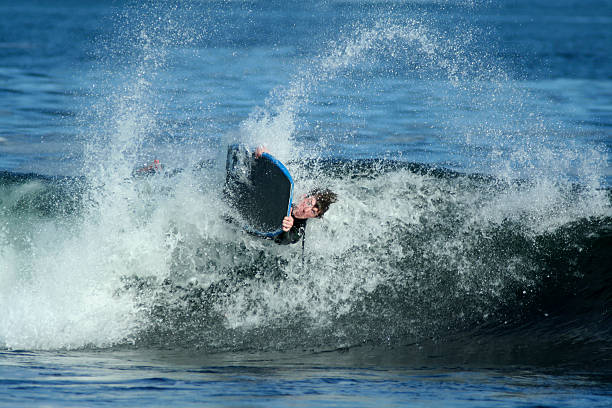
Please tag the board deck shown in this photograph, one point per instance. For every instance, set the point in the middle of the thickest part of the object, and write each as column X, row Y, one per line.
column 260, row 189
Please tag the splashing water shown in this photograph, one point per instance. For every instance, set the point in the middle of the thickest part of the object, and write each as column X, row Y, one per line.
column 406, row 252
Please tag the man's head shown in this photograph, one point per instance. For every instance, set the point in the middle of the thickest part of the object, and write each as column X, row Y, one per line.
column 314, row 204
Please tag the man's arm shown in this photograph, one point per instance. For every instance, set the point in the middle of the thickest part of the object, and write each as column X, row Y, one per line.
column 293, row 234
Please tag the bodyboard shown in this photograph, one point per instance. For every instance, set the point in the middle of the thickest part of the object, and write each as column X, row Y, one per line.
column 260, row 189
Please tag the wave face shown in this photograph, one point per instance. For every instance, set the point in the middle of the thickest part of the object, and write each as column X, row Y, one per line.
column 409, row 253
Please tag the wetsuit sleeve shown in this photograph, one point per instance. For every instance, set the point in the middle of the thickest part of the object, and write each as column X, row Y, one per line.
column 293, row 235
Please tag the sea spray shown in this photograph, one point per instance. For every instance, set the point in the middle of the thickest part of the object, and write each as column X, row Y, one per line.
column 462, row 253
column 409, row 252
column 277, row 122
column 65, row 271
column 413, row 255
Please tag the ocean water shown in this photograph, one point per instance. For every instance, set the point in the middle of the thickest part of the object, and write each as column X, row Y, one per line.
column 466, row 263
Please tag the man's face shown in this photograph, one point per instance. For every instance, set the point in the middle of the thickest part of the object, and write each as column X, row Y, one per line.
column 306, row 208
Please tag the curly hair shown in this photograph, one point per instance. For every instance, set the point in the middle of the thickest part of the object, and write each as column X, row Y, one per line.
column 325, row 198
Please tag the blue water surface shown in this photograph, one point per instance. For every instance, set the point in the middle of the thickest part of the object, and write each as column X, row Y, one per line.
column 162, row 378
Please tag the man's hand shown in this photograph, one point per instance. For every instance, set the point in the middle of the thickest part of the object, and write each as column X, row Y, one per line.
column 287, row 223
column 260, row 150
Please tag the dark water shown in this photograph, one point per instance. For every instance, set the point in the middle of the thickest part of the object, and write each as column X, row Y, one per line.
column 465, row 264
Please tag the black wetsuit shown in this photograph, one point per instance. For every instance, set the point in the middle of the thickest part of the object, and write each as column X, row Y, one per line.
column 294, row 234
